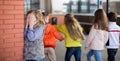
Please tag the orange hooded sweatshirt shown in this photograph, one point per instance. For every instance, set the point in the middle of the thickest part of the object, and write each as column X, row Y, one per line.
column 50, row 33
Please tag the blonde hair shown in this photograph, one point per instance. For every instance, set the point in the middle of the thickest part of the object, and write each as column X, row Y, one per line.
column 38, row 15
column 73, row 26
column 101, row 20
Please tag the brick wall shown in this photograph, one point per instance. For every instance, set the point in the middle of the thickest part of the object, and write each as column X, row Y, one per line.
column 60, row 18
column 11, row 30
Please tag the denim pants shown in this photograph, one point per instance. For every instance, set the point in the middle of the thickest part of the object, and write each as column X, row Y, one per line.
column 96, row 53
column 76, row 51
column 35, row 60
column 111, row 54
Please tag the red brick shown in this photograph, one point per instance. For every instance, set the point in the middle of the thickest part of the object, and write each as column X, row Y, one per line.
column 1, row 41
column 8, row 54
column 19, row 58
column 14, row 40
column 1, row 31
column 7, row 17
column 2, row 46
column 10, row 58
column 60, row 18
column 9, row 2
column 2, row 53
column 2, row 50
column 9, row 50
column 19, row 16
column 13, row 11
column 19, row 40
column 17, row 21
column 18, row 35
column 9, row 40
column 5, row 36
column 1, row 11
column 19, row 7
column 1, row 2
column 6, row 26
column 8, row 45
column 13, row 49
column 13, row 31
column 1, row 22
column 19, row 26
column 6, row 7
column 18, row 49
column 2, row 58
column 19, row 44
column 19, row 53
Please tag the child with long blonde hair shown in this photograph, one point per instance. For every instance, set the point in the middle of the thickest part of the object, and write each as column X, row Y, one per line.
column 73, row 36
column 33, row 44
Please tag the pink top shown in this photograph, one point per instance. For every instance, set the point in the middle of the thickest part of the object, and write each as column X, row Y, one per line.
column 97, row 39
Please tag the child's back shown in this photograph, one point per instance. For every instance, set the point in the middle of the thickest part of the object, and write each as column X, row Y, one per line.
column 114, row 37
column 114, row 31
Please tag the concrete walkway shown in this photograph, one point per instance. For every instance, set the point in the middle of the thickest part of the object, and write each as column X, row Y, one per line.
column 60, row 53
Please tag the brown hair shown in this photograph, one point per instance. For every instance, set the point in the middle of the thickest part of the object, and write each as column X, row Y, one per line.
column 101, row 20
column 73, row 27
column 112, row 16
column 38, row 15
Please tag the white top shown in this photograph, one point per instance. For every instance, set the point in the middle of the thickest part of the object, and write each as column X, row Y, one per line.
column 114, row 35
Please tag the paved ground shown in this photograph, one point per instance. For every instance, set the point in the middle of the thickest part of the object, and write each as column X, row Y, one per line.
column 60, row 53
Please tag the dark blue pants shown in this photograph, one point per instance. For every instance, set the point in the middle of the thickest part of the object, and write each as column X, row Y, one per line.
column 35, row 60
column 76, row 51
column 111, row 54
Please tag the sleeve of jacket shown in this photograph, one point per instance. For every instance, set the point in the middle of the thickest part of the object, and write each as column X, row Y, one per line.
column 33, row 35
column 25, row 32
column 119, row 37
column 105, row 37
column 90, row 37
column 57, row 34
column 59, row 28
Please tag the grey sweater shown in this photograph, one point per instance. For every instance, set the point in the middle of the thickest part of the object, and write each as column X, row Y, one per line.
column 33, row 44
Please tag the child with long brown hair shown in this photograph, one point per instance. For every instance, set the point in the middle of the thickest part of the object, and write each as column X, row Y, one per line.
column 98, row 35
column 73, row 36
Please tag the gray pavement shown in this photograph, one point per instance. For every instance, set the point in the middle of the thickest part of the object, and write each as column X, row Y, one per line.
column 60, row 53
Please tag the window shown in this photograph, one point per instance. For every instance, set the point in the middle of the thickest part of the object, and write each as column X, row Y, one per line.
column 74, row 6
column 114, row 6
column 31, row 4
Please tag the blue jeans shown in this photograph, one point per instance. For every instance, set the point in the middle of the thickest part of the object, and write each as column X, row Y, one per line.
column 35, row 60
column 76, row 51
column 111, row 54
column 96, row 53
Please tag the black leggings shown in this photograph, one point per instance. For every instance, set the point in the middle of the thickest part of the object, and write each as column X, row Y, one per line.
column 111, row 54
